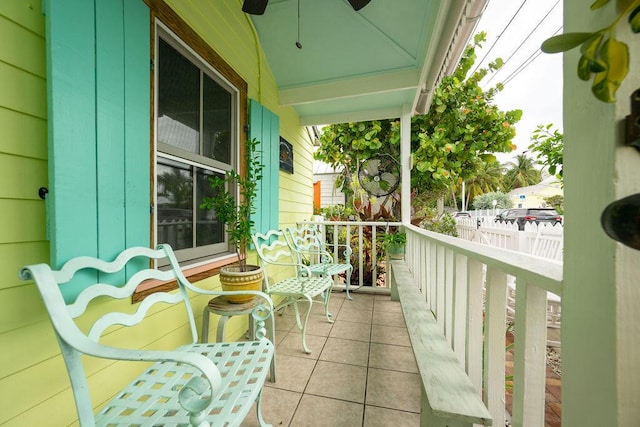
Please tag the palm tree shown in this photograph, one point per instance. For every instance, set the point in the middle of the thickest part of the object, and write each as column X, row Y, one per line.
column 487, row 178
column 521, row 173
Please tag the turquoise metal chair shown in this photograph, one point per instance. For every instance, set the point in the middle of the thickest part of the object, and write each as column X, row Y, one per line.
column 306, row 242
column 195, row 384
column 291, row 281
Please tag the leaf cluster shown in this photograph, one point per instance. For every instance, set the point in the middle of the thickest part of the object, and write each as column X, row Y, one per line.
column 557, row 201
column 344, row 144
column 462, row 126
column 397, row 238
column 548, row 146
column 602, row 55
column 237, row 216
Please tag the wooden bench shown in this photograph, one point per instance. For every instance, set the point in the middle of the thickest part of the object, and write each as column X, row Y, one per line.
column 448, row 396
column 196, row 384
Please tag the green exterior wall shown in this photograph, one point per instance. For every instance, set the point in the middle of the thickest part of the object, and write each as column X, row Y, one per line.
column 600, row 316
column 34, row 387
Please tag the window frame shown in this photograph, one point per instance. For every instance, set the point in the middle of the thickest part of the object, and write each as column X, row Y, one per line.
column 194, row 256
column 162, row 14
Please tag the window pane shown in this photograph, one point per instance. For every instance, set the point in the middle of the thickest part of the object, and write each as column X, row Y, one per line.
column 178, row 100
column 175, row 204
column 217, row 118
column 208, row 229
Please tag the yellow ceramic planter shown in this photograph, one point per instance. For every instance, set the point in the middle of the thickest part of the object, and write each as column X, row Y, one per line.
column 232, row 279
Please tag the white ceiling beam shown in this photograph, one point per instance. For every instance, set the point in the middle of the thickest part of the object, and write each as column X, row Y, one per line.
column 351, row 116
column 346, row 88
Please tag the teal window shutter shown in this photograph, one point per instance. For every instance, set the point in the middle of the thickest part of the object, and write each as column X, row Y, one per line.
column 264, row 125
column 99, row 107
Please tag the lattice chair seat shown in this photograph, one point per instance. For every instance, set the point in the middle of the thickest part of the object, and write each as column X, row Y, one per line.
column 197, row 384
column 152, row 399
column 290, row 280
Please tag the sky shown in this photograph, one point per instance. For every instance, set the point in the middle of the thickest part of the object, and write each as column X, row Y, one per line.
column 533, row 80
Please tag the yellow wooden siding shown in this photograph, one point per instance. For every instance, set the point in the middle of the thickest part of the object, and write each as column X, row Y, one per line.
column 31, row 352
column 22, row 134
column 34, row 386
column 29, row 42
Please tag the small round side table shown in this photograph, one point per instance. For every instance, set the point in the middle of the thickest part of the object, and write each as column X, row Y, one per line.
column 225, row 309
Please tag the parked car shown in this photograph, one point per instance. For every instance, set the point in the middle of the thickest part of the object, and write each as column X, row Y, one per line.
column 523, row 215
column 500, row 216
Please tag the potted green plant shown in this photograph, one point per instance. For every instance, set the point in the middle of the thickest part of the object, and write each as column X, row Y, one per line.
column 393, row 244
column 236, row 215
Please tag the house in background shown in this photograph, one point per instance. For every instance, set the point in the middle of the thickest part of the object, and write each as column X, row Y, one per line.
column 533, row 196
column 324, row 185
column 84, row 163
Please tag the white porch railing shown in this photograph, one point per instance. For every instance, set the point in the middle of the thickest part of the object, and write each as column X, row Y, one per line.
column 465, row 285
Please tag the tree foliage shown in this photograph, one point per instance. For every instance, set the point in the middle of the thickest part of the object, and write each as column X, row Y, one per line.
column 485, row 201
column 557, row 201
column 521, row 173
column 548, row 145
column 486, row 178
column 462, row 127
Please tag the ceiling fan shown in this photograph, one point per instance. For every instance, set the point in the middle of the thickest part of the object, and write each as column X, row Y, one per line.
column 257, row 7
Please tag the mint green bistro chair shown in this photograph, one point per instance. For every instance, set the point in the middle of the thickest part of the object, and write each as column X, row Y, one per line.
column 291, row 281
column 307, row 244
column 195, row 384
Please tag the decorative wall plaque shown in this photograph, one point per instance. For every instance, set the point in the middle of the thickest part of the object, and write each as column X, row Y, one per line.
column 286, row 156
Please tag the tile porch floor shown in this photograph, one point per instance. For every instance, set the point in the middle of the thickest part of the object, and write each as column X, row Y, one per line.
column 361, row 371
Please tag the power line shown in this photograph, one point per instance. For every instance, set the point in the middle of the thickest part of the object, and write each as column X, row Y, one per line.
column 527, row 61
column 525, row 39
column 499, row 35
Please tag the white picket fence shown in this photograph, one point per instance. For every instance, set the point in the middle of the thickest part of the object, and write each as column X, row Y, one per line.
column 543, row 240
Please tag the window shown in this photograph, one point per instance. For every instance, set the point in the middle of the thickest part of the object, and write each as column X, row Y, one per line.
column 197, row 122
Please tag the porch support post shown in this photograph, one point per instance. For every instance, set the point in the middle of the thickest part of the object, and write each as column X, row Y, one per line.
column 601, row 293
column 405, row 164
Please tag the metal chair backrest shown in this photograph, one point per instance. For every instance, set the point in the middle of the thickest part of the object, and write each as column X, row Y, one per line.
column 76, row 337
column 274, row 256
column 306, row 244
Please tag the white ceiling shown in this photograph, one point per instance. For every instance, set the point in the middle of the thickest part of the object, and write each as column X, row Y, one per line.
column 365, row 65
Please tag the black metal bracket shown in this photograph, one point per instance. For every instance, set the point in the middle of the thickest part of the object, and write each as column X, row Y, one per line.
column 42, row 192
column 632, row 136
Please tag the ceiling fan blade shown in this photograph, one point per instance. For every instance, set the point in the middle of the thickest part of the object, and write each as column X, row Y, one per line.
column 358, row 4
column 254, row 7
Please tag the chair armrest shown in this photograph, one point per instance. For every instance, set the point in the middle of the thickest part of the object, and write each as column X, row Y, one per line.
column 194, row 400
column 347, row 250
column 324, row 256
